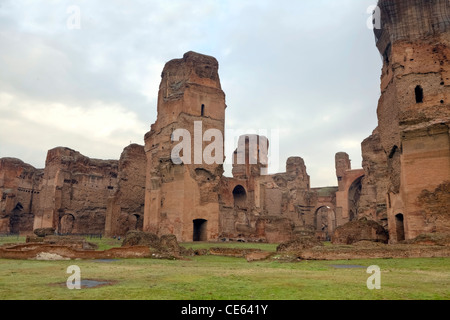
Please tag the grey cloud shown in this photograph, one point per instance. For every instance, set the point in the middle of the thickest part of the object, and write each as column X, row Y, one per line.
column 285, row 64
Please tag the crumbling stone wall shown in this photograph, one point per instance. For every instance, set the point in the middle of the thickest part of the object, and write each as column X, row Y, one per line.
column 349, row 189
column 413, row 110
column 19, row 192
column 74, row 192
column 125, row 208
column 372, row 203
column 272, row 208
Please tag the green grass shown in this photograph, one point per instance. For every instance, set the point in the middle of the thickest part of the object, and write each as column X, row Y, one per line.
column 11, row 239
column 224, row 278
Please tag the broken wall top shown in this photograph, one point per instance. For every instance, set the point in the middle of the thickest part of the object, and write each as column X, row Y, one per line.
column 194, row 68
column 66, row 159
column 410, row 20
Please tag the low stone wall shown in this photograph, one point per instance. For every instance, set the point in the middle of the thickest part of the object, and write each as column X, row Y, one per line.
column 378, row 252
column 31, row 251
column 231, row 252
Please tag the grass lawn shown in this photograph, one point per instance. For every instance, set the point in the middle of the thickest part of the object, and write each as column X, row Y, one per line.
column 224, row 278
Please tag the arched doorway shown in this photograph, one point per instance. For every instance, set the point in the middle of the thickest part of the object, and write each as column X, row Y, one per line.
column 134, row 222
column 354, row 194
column 66, row 224
column 139, row 222
column 239, row 196
column 400, row 227
column 14, row 219
column 200, row 228
column 324, row 222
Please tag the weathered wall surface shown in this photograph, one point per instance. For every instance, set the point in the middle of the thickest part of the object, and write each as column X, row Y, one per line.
column 19, row 191
column 274, row 208
column 74, row 192
column 414, row 109
column 372, row 202
column 125, row 208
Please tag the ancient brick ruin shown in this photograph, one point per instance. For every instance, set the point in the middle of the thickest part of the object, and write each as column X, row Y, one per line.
column 408, row 155
column 403, row 184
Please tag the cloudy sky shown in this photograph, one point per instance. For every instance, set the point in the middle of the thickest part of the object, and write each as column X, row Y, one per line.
column 307, row 68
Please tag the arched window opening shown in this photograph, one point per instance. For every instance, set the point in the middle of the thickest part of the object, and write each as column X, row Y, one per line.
column 354, row 194
column 239, row 196
column 419, row 94
column 139, row 222
column 203, row 110
column 400, row 227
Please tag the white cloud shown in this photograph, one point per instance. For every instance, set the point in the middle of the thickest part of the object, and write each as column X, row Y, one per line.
column 96, row 128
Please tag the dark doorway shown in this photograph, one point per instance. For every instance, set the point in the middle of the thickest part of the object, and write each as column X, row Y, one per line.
column 200, row 230
column 419, row 94
column 139, row 222
column 14, row 220
column 400, row 227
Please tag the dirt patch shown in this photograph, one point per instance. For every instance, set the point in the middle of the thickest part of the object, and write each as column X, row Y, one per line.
column 299, row 244
column 258, row 256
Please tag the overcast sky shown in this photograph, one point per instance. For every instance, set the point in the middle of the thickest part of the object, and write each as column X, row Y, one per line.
column 308, row 68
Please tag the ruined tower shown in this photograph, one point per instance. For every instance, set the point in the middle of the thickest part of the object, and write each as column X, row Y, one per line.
column 414, row 114
column 181, row 197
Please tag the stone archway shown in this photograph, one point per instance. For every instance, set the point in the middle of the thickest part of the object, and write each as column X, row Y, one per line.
column 67, row 224
column 133, row 222
column 324, row 222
